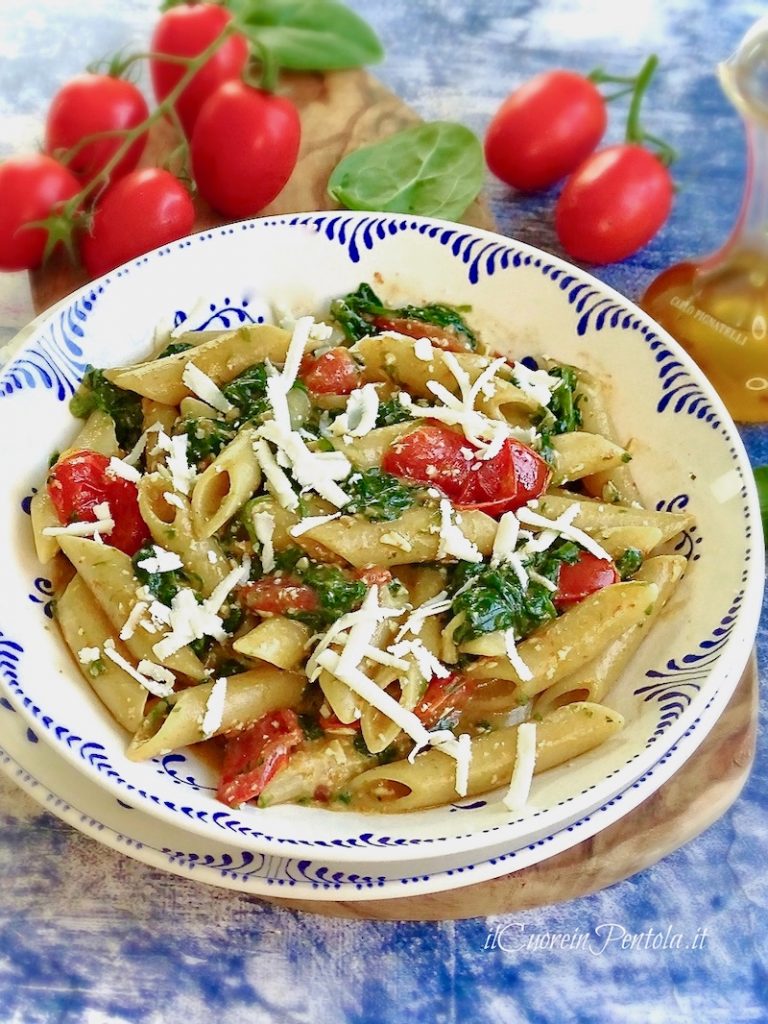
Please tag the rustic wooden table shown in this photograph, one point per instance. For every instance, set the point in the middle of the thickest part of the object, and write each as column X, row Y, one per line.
column 90, row 937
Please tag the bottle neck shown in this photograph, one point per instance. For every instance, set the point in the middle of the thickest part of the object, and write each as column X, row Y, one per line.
column 751, row 229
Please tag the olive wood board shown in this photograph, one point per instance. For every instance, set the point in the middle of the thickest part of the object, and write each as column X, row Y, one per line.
column 339, row 113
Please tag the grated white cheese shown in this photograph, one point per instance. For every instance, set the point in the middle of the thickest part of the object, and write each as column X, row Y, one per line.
column 515, row 660
column 436, row 605
column 536, row 383
column 422, row 349
column 562, row 525
column 214, row 708
column 81, row 529
column 188, row 621
column 161, row 561
column 428, row 665
column 314, row 471
column 134, row 618
column 213, row 557
column 123, row 470
column 525, row 763
column 173, row 499
column 453, row 542
column 176, row 461
column 222, row 590
column 359, row 417
column 155, row 687
column 200, row 384
column 87, row 655
column 463, row 761
column 156, row 672
column 310, row 522
column 264, row 527
column 277, row 481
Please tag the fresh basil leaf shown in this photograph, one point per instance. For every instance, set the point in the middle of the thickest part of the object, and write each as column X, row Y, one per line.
column 434, row 169
column 761, row 479
column 309, row 35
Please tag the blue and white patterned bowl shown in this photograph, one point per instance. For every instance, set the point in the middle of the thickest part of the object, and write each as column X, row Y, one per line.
column 687, row 454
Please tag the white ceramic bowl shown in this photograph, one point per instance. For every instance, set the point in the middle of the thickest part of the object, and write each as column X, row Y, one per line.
column 687, row 454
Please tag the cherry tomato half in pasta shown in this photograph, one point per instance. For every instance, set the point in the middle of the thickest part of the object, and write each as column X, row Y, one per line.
column 279, row 595
column 81, row 481
column 439, row 457
column 444, row 701
column 256, row 754
column 585, row 577
column 335, row 372
column 439, row 336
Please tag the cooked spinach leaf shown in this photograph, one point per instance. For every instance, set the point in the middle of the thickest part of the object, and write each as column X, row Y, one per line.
column 378, row 495
column 206, row 437
column 248, row 391
column 495, row 599
column 174, row 348
column 96, row 392
column 337, row 594
column 162, row 585
column 628, row 563
column 392, row 411
column 357, row 313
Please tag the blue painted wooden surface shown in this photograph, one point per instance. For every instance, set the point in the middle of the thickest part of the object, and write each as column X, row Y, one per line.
column 87, row 936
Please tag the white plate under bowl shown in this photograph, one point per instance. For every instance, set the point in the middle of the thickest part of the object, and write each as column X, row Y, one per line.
column 59, row 788
column 687, row 455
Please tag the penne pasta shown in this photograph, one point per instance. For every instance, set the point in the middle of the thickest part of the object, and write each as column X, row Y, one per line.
column 430, row 779
column 221, row 359
column 280, row 641
column 225, row 486
column 177, row 721
column 580, row 454
column 85, row 629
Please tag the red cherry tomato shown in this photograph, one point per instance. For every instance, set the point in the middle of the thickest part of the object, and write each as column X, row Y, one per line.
column 255, row 755
column 333, row 724
column 185, row 31
column 335, row 372
column 439, row 336
column 278, row 595
column 544, row 129
column 141, row 211
column 613, row 204
column 577, row 581
column 444, row 701
column 244, row 148
column 31, row 188
column 81, row 481
column 88, row 104
column 374, row 576
column 434, row 455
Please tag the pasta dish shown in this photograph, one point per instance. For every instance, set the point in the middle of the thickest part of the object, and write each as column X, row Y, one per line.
column 365, row 563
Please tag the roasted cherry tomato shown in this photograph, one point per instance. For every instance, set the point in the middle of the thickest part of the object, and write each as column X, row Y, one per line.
column 279, row 595
column 185, row 31
column 444, row 701
column 254, row 756
column 613, row 204
column 440, row 337
column 438, row 457
column 81, row 481
column 544, row 129
column 244, row 148
column 86, row 105
column 335, row 372
column 333, row 724
column 374, row 576
column 577, row 581
column 31, row 188
column 141, row 211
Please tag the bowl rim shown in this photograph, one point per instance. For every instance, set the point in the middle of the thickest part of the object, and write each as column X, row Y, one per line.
column 722, row 675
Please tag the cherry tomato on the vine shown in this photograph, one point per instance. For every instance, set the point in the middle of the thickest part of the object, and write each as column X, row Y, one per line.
column 82, row 480
column 613, row 204
column 86, row 105
column 544, row 129
column 244, row 148
column 185, row 31
column 31, row 188
column 141, row 211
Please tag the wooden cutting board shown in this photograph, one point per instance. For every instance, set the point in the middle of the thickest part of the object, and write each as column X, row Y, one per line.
column 339, row 113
